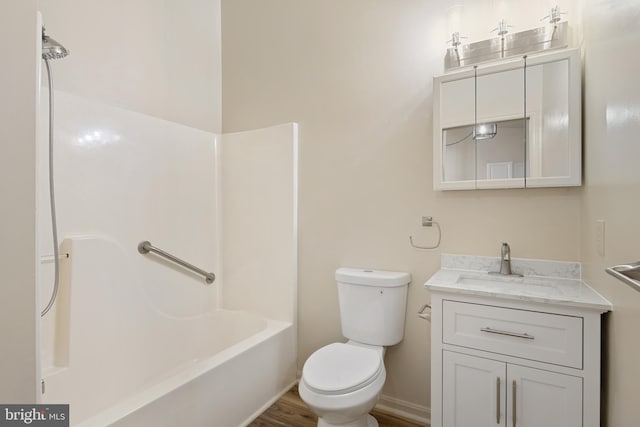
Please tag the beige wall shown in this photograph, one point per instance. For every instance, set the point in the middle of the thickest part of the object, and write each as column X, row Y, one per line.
column 357, row 76
column 612, row 190
column 160, row 58
column 19, row 314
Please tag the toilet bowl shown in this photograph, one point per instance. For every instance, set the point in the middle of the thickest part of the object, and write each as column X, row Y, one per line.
column 342, row 382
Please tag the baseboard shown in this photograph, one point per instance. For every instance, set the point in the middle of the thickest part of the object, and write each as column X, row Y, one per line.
column 400, row 408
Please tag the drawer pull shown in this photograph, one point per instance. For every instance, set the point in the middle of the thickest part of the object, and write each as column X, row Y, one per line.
column 514, row 405
column 511, row 334
column 498, row 400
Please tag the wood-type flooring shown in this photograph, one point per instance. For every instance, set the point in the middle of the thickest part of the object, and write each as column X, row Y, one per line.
column 290, row 411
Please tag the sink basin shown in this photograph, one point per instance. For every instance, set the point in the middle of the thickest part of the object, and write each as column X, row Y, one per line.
column 496, row 280
column 513, row 285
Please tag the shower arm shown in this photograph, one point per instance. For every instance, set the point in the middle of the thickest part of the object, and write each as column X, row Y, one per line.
column 145, row 247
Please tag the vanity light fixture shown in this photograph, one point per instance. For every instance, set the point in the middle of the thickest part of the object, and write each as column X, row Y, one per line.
column 554, row 16
column 554, row 34
column 485, row 131
column 502, row 29
column 455, row 42
column 502, row 11
column 454, row 23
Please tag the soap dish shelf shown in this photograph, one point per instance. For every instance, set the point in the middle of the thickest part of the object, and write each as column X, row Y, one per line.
column 628, row 273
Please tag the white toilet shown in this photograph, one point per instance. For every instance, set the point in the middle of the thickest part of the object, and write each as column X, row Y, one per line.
column 340, row 382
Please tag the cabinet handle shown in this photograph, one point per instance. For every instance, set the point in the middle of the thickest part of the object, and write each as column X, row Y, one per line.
column 498, row 400
column 513, row 409
column 508, row 333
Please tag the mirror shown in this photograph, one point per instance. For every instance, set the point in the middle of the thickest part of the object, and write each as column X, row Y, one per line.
column 500, row 155
column 548, row 106
column 514, row 124
column 494, row 152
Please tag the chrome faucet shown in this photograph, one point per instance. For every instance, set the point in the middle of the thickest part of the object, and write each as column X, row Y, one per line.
column 505, row 261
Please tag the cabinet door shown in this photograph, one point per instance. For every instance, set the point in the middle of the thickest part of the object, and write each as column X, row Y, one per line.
column 540, row 398
column 500, row 129
column 473, row 391
column 457, row 116
column 509, row 124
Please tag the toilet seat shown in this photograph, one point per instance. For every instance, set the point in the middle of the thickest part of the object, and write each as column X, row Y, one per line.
column 341, row 368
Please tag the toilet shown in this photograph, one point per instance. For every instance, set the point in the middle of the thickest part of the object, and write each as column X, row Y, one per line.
column 341, row 382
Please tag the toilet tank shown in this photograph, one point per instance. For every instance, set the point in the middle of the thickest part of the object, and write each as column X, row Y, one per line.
column 372, row 305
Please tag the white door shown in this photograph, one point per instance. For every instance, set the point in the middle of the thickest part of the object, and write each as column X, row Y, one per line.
column 539, row 398
column 473, row 391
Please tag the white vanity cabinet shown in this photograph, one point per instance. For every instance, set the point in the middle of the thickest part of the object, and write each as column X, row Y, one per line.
column 486, row 392
column 513, row 362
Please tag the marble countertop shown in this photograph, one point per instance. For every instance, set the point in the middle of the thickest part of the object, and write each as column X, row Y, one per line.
column 565, row 288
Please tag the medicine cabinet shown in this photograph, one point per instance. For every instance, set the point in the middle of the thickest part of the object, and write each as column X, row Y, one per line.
column 509, row 124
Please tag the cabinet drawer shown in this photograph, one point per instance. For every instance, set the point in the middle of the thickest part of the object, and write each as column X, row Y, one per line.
column 549, row 338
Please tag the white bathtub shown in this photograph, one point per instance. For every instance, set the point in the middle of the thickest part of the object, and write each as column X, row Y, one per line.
column 221, row 369
column 136, row 341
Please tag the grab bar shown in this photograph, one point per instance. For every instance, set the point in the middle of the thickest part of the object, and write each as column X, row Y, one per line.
column 628, row 273
column 52, row 258
column 146, row 247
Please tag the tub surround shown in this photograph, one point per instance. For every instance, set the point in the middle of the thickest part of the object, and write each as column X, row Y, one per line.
column 180, row 335
column 258, row 208
column 181, row 356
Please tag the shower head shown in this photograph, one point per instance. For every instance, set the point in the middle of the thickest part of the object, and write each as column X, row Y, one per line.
column 51, row 49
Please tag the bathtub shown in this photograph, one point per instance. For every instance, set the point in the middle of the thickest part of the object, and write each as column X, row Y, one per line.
column 135, row 340
column 219, row 369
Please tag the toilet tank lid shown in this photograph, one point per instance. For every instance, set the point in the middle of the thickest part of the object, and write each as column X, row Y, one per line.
column 368, row 277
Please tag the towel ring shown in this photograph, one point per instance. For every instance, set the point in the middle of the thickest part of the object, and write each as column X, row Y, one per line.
column 428, row 221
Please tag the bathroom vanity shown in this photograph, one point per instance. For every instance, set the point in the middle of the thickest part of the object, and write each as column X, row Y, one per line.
column 514, row 351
